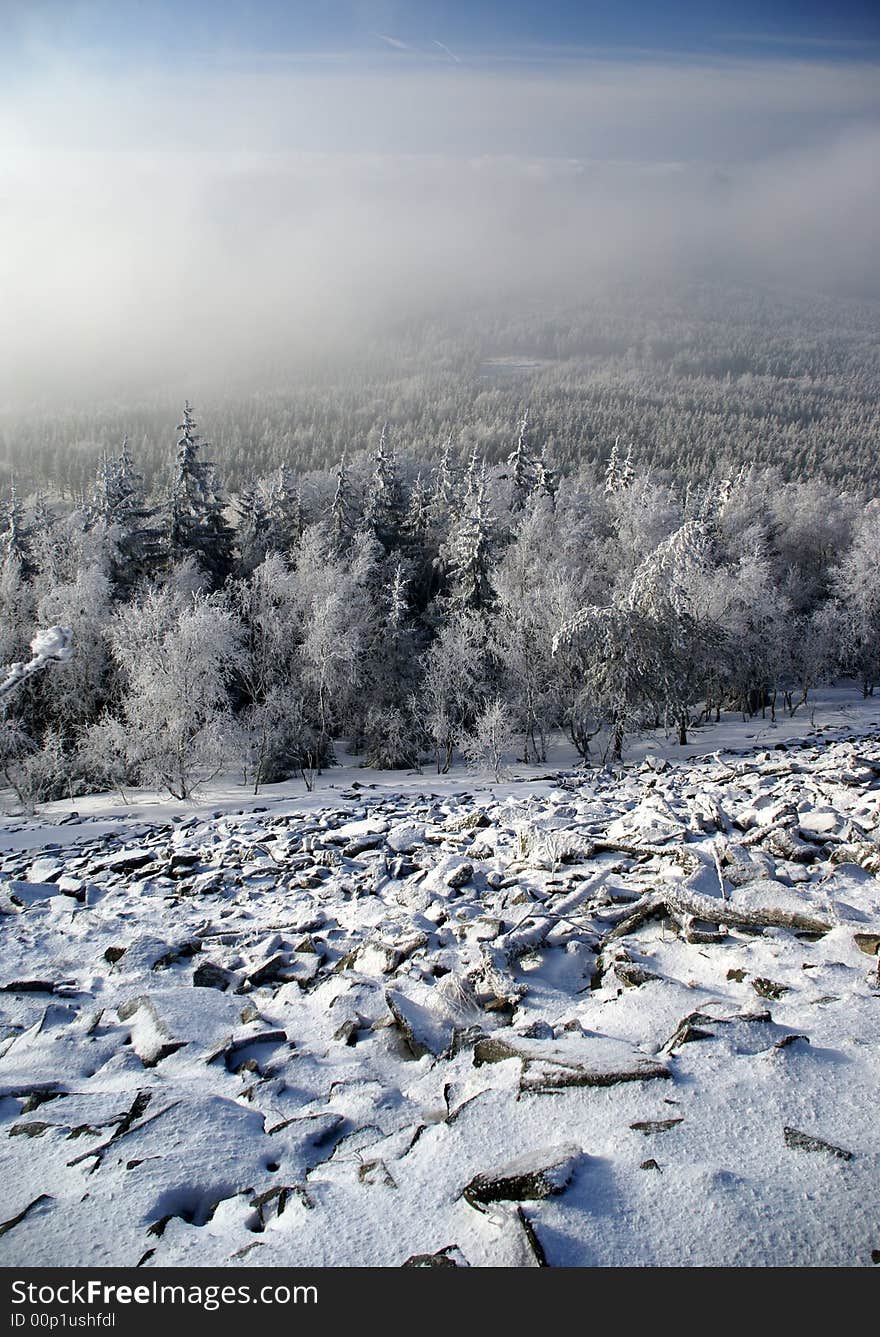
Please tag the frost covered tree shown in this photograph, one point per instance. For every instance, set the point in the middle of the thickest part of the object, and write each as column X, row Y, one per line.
column 176, row 659
column 546, row 483
column 857, row 589
column 615, row 646
column 420, row 547
column 276, row 736
column 48, row 545
column 128, row 525
column 469, row 550
column 17, row 606
column 812, row 526
column 268, row 519
column 521, row 468
column 284, row 512
column 637, row 653
column 627, row 472
column 684, row 638
column 16, row 535
column 35, row 769
column 195, row 520
column 251, row 529
column 343, row 523
column 813, row 650
column 417, row 520
column 385, row 501
column 332, row 609
column 757, row 625
column 69, row 699
column 487, row 745
column 527, row 584
column 387, row 731
column 612, row 470
column 644, row 513
column 455, row 680
column 446, row 486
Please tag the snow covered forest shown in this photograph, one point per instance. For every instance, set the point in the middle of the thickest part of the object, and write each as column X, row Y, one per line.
column 698, row 376
column 432, row 614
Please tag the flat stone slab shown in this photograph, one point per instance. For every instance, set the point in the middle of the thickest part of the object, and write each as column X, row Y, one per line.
column 539, row 1174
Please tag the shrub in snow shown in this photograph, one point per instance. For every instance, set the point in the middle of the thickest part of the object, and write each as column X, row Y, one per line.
column 277, row 740
column 390, row 739
column 39, row 772
column 491, row 740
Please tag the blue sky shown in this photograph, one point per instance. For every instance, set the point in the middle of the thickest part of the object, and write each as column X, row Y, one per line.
column 134, row 30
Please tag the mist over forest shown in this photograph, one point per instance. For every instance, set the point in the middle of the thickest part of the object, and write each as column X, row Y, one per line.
column 696, row 378
column 237, row 216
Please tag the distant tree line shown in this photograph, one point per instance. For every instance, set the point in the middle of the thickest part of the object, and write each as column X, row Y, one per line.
column 699, row 380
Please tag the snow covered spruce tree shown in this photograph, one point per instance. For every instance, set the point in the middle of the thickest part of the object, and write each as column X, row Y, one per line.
column 521, row 468
column 468, row 554
column 196, row 526
column 251, row 529
column 385, row 500
column 344, row 511
column 35, row 771
column 129, row 527
column 420, row 547
column 17, row 597
column 20, row 734
column 16, row 536
column 447, row 486
column 284, row 512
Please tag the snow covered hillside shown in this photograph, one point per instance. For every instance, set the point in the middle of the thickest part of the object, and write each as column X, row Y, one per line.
column 603, row 1018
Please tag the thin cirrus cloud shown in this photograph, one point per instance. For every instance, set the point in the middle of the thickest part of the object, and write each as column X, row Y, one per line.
column 164, row 224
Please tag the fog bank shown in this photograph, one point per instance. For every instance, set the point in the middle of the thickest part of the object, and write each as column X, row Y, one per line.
column 160, row 224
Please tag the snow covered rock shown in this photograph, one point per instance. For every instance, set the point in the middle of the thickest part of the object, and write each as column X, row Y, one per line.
column 539, row 1174
column 406, row 837
column 165, row 1021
